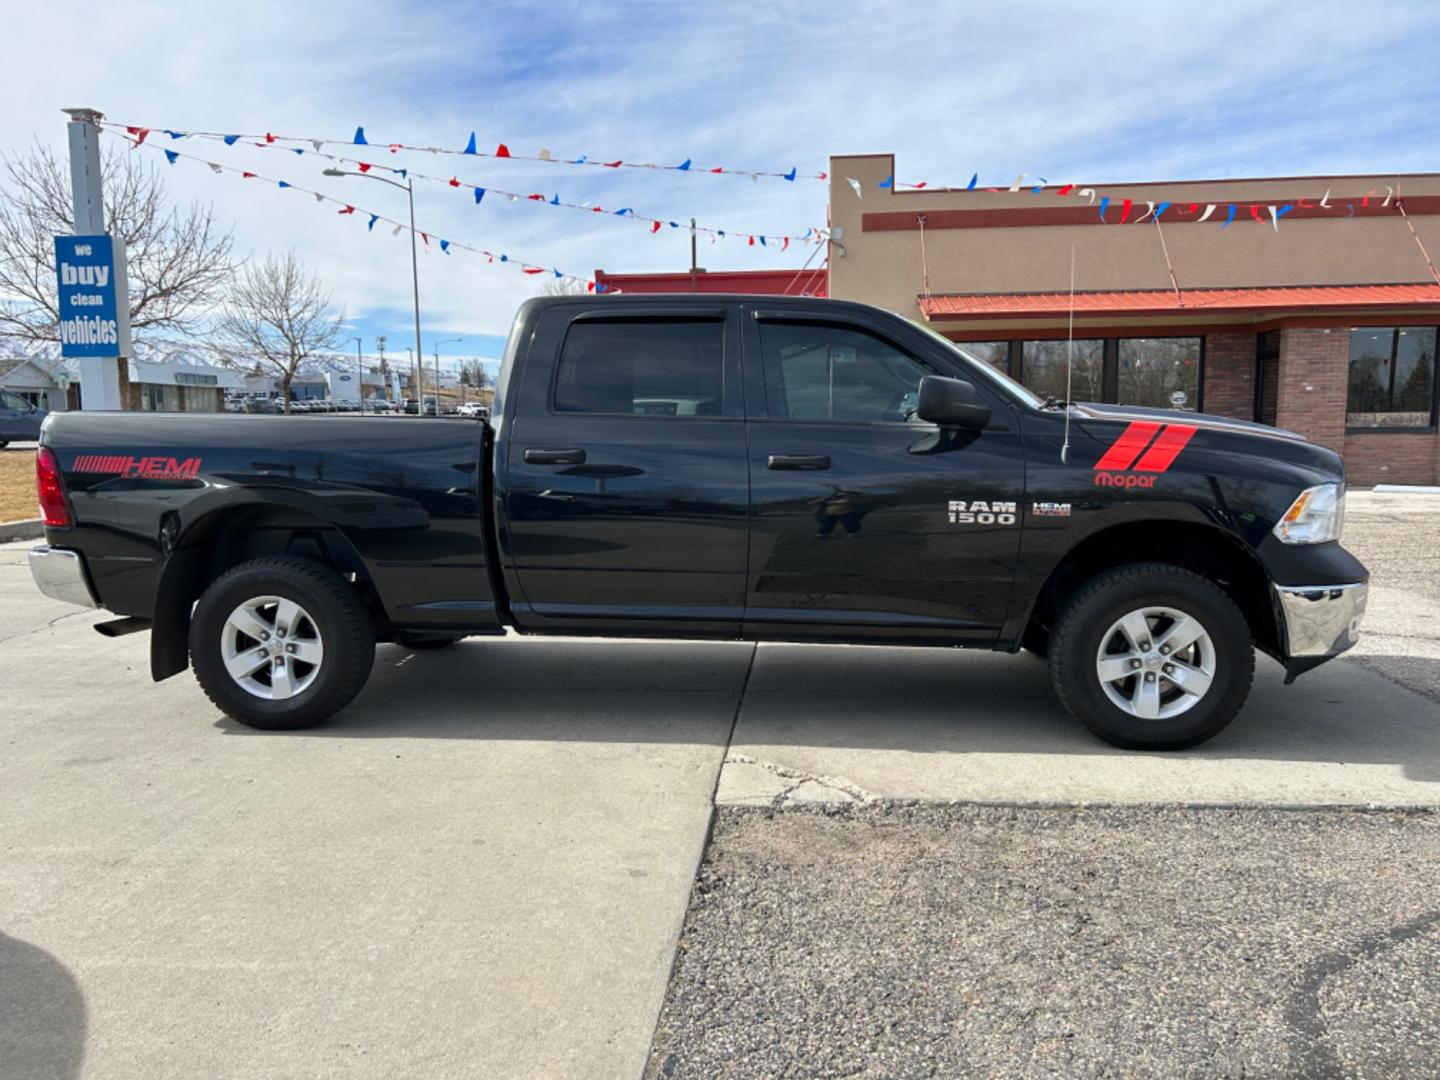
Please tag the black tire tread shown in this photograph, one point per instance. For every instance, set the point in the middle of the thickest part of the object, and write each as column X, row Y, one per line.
column 1069, row 624
column 357, row 630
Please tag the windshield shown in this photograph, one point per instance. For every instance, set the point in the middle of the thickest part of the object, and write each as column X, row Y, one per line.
column 996, row 377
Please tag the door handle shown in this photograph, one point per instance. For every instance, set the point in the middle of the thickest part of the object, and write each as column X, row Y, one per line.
column 798, row 461
column 554, row 457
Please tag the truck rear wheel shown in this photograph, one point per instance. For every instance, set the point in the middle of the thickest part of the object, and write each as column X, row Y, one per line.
column 281, row 643
column 1152, row 657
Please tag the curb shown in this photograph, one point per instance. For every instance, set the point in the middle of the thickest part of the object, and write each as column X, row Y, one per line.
column 21, row 530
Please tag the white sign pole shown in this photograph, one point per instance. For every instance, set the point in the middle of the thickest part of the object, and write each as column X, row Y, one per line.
column 99, row 376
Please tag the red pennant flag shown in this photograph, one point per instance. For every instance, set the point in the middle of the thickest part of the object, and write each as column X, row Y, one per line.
column 1255, row 212
column 1066, row 189
column 717, row 169
column 590, row 286
column 454, row 182
column 614, row 164
column 785, row 243
column 752, row 241
column 502, row 151
column 1194, row 206
column 139, row 134
column 920, row 185
column 394, row 147
column 426, row 238
column 247, row 176
column 269, row 138
column 1363, row 202
column 532, row 270
column 823, row 176
column 1303, row 203
column 654, row 226
column 365, row 166
column 348, row 210
column 1125, row 211
column 535, row 198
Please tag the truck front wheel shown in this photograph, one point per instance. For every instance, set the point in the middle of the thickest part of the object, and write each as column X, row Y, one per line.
column 1152, row 657
column 281, row 643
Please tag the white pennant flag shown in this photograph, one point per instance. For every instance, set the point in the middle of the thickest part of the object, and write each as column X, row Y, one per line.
column 395, row 231
column 1088, row 191
column 856, row 185
column 1325, row 200
column 1147, row 213
column 317, row 144
column 1209, row 209
column 544, row 155
column 1018, row 181
column 319, row 197
column 213, row 166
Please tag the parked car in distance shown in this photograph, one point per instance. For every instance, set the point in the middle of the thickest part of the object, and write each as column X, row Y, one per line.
column 380, row 405
column 264, row 406
column 19, row 419
column 473, row 410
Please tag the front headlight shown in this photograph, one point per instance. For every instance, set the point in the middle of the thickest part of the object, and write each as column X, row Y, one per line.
column 1316, row 516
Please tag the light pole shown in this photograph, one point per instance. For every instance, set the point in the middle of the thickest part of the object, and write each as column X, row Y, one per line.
column 409, row 188
column 415, row 388
column 360, row 375
column 436, row 344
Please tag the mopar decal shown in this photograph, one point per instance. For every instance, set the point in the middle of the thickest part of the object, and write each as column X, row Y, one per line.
column 982, row 512
column 143, row 468
column 1141, row 452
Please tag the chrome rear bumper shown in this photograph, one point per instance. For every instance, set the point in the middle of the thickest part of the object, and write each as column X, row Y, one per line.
column 1321, row 620
column 60, row 575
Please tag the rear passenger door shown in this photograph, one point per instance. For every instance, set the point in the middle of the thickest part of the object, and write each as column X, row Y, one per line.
column 867, row 525
column 626, row 485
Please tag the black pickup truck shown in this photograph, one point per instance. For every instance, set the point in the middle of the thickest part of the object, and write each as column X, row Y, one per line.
column 723, row 467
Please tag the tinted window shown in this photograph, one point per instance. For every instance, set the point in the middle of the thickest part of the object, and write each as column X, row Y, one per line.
column 1160, row 373
column 1392, row 377
column 823, row 372
column 644, row 367
column 1042, row 365
column 12, row 401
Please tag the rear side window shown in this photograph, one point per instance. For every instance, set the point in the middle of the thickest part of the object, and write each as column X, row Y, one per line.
column 821, row 371
column 642, row 367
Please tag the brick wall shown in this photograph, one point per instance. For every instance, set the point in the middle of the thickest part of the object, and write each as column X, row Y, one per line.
column 1230, row 375
column 1314, row 369
column 1390, row 458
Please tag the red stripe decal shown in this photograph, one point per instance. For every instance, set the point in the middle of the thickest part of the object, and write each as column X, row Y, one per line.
column 1171, row 441
column 1127, row 447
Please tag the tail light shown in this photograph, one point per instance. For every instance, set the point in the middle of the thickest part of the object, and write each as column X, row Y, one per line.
column 54, row 507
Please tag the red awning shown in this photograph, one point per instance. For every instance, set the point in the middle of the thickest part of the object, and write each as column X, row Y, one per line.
column 1290, row 299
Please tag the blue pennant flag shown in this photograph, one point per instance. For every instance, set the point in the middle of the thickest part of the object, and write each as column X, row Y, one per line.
column 722, row 233
column 1161, row 209
column 283, row 183
column 674, row 225
column 1229, row 217
column 791, row 174
column 557, row 273
column 600, row 287
column 556, row 200
column 371, row 223
column 1284, row 210
column 403, row 174
column 175, row 134
column 1038, row 188
column 231, row 140
column 684, row 166
column 359, row 139
column 171, row 156
column 973, row 178
column 504, row 258
column 297, row 151
column 580, row 160
column 762, row 241
column 479, row 194
column 889, row 181
column 623, row 211
column 470, row 146
column 445, row 246
column 1104, row 202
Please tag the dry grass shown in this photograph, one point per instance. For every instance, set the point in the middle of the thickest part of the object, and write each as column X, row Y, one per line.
column 17, row 485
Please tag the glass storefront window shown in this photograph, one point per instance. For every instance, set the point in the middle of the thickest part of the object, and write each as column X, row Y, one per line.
column 1159, row 373
column 994, row 353
column 1042, row 365
column 1392, row 377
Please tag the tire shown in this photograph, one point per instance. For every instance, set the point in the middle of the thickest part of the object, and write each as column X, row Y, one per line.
column 1153, row 713
column 332, row 626
column 427, row 641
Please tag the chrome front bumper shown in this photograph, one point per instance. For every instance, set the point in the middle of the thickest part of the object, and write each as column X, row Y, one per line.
column 1321, row 620
column 60, row 575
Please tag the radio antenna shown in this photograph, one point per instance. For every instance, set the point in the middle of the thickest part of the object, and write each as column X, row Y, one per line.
column 1069, row 361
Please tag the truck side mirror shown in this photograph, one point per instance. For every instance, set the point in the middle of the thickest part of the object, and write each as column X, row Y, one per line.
column 950, row 403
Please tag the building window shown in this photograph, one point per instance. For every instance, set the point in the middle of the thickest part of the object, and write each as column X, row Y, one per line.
column 1159, row 373
column 1042, row 367
column 994, row 353
column 1392, row 377
column 195, row 379
column 642, row 367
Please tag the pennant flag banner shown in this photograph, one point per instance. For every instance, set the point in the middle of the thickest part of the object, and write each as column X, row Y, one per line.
column 654, row 224
column 349, row 209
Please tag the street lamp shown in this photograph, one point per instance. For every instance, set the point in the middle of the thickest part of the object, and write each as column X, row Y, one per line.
column 436, row 344
column 409, row 188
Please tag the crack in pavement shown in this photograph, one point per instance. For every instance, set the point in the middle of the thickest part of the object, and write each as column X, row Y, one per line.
column 47, row 626
column 799, row 778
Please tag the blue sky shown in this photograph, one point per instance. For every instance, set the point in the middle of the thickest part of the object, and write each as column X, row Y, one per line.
column 1055, row 90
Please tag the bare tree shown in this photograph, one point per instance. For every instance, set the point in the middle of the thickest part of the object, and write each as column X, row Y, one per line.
column 554, row 286
column 279, row 315
column 179, row 260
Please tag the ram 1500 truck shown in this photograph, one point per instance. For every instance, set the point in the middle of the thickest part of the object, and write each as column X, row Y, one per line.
column 725, row 467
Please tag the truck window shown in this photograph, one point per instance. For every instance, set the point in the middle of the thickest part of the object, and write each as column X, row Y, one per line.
column 820, row 371
column 642, row 367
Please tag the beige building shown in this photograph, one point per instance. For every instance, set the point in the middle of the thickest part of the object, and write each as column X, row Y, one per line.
column 1321, row 317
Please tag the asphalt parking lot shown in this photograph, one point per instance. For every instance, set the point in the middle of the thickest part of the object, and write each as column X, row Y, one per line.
column 484, row 866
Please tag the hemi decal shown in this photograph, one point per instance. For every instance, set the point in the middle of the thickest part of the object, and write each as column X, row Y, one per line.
column 1167, row 447
column 1127, row 447
column 144, row 468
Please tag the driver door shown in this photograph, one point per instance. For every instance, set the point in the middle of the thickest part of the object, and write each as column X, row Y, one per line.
column 854, row 528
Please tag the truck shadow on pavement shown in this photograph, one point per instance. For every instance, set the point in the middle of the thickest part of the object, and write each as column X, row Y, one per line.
column 42, row 1015
column 926, row 701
